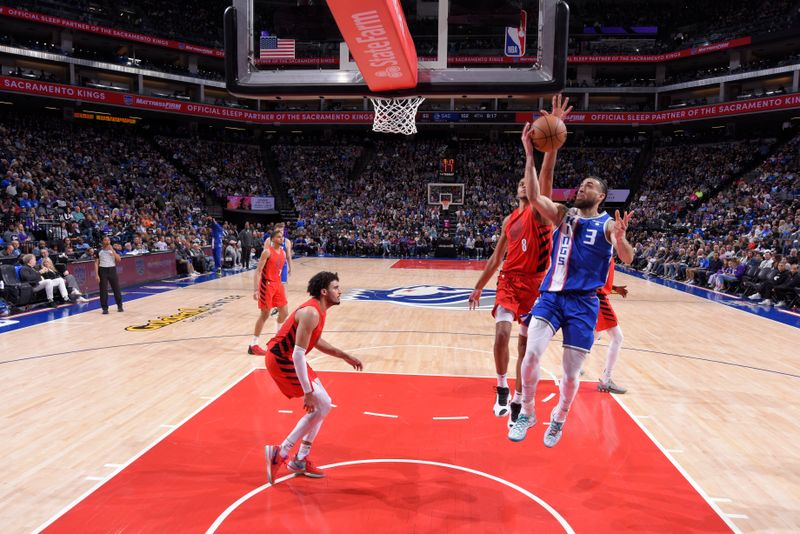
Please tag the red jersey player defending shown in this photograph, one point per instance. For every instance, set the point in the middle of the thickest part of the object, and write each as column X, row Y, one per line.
column 286, row 363
column 268, row 287
column 607, row 321
column 526, row 241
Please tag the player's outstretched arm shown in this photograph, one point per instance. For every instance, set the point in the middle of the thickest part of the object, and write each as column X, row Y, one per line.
column 330, row 350
column 491, row 267
column 262, row 261
column 549, row 210
column 617, row 229
column 307, row 320
column 560, row 110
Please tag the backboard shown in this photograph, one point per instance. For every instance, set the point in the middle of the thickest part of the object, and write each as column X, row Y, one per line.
column 475, row 48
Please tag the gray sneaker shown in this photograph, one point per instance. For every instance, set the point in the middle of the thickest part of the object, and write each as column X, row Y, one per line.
column 554, row 431
column 610, row 387
column 520, row 428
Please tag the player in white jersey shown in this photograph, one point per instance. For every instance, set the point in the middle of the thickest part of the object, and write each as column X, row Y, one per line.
column 583, row 242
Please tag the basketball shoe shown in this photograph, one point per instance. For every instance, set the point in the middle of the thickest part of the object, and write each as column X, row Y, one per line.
column 274, row 462
column 256, row 350
column 513, row 413
column 610, row 387
column 520, row 428
column 305, row 467
column 501, row 402
column 554, row 431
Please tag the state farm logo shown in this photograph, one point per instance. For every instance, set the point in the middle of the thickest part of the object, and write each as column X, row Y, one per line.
column 374, row 44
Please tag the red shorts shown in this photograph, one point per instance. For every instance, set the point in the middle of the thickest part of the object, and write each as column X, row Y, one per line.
column 606, row 317
column 517, row 292
column 282, row 372
column 272, row 297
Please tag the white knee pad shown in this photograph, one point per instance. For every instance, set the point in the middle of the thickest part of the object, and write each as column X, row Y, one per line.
column 503, row 315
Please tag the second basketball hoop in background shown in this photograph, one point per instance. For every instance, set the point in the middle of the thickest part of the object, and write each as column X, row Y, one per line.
column 549, row 133
column 396, row 115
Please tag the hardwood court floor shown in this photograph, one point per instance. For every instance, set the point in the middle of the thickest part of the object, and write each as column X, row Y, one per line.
column 717, row 387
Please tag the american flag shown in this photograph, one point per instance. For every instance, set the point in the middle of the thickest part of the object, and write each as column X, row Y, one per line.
column 272, row 47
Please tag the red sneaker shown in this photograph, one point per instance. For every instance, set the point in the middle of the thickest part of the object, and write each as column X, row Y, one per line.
column 256, row 350
column 274, row 462
column 305, row 467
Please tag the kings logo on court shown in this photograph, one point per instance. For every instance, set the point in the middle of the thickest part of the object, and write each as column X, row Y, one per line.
column 424, row 296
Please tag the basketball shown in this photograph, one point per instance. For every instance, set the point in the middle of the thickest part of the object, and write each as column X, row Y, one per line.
column 549, row 133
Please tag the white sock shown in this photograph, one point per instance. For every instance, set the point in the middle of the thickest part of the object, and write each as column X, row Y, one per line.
column 286, row 448
column 613, row 351
column 305, row 448
column 517, row 398
column 502, row 382
column 255, row 341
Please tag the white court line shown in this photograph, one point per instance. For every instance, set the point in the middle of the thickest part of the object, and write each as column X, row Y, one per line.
column 375, row 414
column 136, row 457
column 285, row 411
column 454, row 418
column 112, row 465
column 678, row 466
column 737, row 516
column 95, row 478
column 552, row 511
column 547, row 398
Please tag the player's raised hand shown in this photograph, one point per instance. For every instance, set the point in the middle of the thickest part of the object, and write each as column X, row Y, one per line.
column 354, row 362
column 621, row 224
column 560, row 109
column 475, row 299
column 527, row 141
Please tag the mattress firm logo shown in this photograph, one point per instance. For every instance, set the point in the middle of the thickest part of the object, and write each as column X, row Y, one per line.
column 185, row 314
column 372, row 37
column 424, row 296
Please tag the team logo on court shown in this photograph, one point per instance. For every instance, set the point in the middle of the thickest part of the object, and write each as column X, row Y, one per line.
column 424, row 296
column 184, row 314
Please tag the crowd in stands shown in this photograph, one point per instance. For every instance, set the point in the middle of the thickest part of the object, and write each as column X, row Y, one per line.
column 223, row 168
column 743, row 241
column 679, row 175
column 383, row 208
column 63, row 186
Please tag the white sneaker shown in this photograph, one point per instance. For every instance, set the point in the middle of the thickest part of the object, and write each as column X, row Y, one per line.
column 755, row 296
column 766, row 302
column 781, row 304
column 501, row 402
column 82, row 299
column 520, row 429
column 554, row 431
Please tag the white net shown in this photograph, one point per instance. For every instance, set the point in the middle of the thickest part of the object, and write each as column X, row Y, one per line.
column 396, row 115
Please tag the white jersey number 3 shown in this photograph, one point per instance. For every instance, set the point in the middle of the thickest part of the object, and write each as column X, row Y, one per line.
column 591, row 236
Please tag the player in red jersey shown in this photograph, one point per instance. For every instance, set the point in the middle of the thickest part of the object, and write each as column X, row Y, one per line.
column 268, row 288
column 607, row 322
column 525, row 240
column 286, row 363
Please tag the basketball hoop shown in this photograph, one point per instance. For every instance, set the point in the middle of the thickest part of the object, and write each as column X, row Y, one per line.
column 396, row 115
column 445, row 204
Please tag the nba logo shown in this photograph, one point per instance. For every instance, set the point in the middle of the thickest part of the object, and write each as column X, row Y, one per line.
column 515, row 37
column 127, row 99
